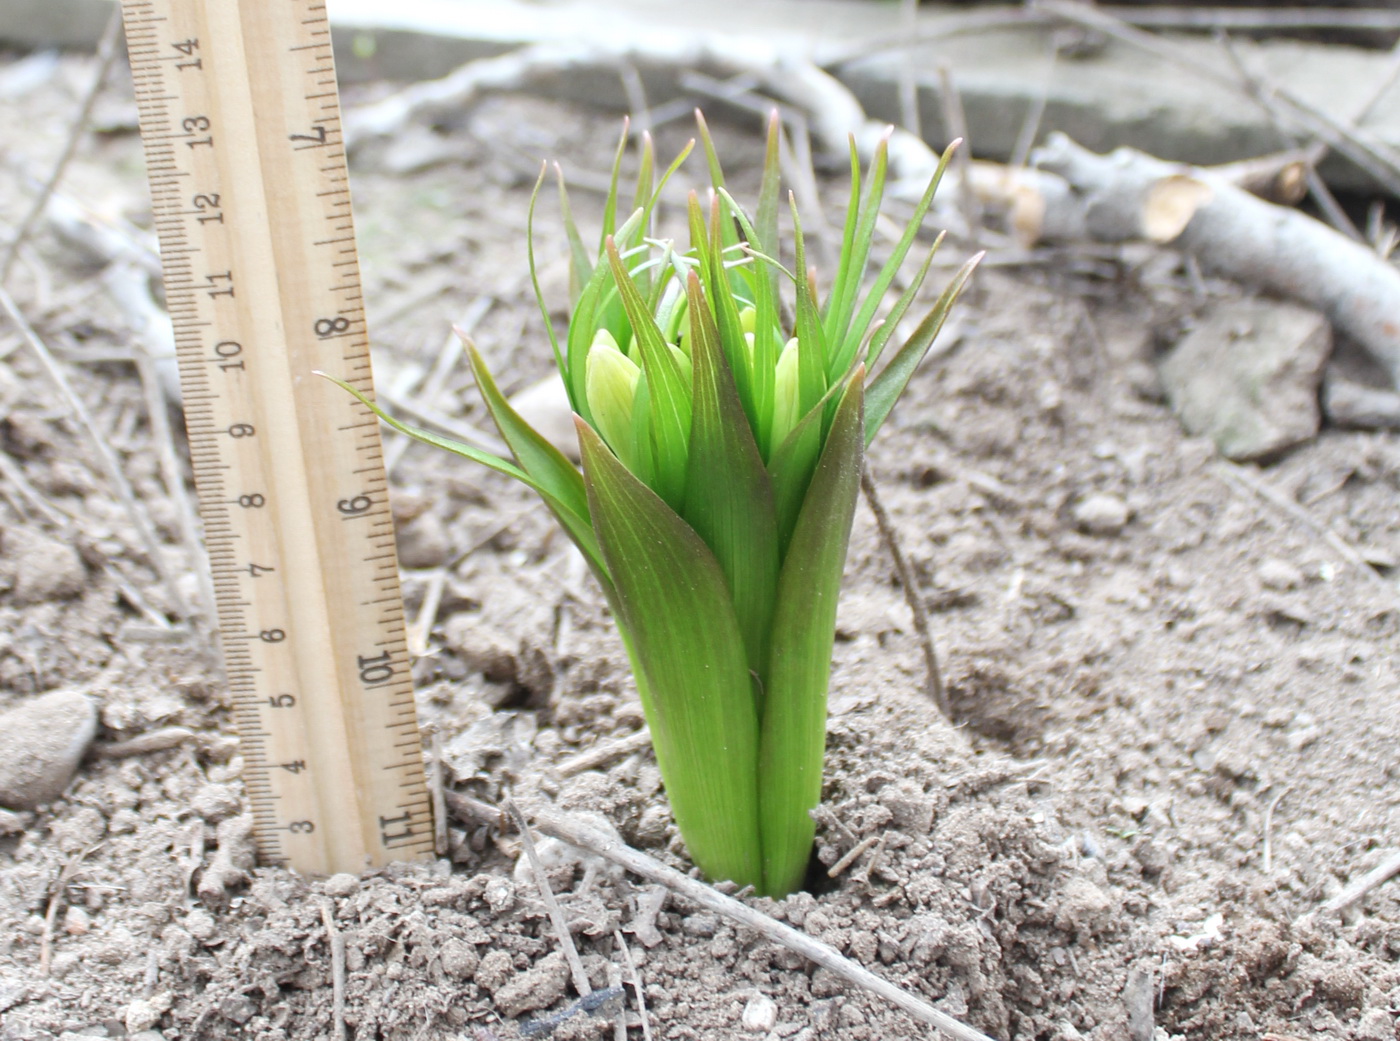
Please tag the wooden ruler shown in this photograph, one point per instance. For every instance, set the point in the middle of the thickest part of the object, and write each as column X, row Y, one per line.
column 241, row 123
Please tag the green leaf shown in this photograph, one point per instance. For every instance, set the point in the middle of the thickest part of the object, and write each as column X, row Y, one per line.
column 559, row 359
column 673, row 603
column 718, row 291
column 792, row 465
column 670, row 397
column 764, row 235
column 845, row 356
column 886, row 388
column 811, row 340
column 610, row 205
column 590, row 315
column 557, row 490
column 793, row 728
column 580, row 264
column 886, row 331
column 711, row 156
column 767, row 344
column 845, row 273
column 728, row 496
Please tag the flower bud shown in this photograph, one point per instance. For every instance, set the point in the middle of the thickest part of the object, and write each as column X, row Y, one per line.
column 610, row 380
column 683, row 360
column 748, row 320
column 785, row 398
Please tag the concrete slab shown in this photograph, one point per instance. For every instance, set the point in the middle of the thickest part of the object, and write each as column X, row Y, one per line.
column 1110, row 94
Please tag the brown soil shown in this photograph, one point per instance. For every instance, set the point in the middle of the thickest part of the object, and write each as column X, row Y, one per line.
column 1174, row 736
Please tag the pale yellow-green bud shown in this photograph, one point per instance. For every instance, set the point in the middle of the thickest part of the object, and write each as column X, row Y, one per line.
column 610, row 381
column 748, row 320
column 683, row 360
column 785, row 397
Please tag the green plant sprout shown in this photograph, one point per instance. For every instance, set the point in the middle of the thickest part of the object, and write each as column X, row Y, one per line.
column 722, row 438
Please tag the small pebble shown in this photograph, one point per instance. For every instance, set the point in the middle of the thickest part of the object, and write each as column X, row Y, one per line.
column 144, row 1013
column 76, row 922
column 42, row 740
column 1102, row 513
column 499, row 895
column 760, row 1014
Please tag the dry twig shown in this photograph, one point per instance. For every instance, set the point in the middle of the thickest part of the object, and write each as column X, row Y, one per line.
column 604, row 753
column 1240, row 477
column 1382, row 873
column 890, row 537
column 336, row 940
column 635, row 979
column 556, row 913
column 107, row 51
column 102, row 447
column 591, row 839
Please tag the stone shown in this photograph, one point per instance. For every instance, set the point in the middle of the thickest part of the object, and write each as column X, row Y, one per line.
column 44, row 568
column 1247, row 377
column 144, row 1013
column 1101, row 513
column 760, row 1014
column 42, row 740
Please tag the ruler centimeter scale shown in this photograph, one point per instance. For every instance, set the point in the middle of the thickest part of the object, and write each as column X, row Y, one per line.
column 240, row 118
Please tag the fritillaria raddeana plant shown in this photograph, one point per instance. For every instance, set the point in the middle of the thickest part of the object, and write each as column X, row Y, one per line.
column 723, row 408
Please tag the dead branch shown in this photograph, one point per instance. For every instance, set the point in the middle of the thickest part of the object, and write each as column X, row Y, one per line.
column 833, row 111
column 1129, row 195
column 1348, row 404
column 1361, row 148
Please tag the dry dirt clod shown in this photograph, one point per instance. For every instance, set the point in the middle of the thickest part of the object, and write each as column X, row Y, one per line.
column 44, row 568
column 538, row 987
column 41, row 743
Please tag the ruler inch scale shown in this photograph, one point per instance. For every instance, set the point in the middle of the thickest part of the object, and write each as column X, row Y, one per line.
column 240, row 119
